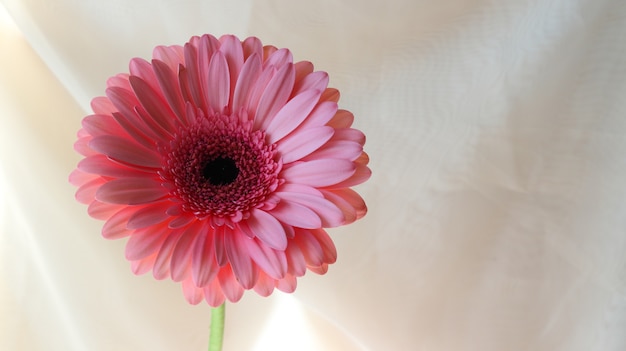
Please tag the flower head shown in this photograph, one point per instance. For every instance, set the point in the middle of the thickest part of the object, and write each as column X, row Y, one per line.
column 222, row 161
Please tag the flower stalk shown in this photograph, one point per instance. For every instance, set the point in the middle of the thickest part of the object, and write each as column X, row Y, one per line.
column 216, row 333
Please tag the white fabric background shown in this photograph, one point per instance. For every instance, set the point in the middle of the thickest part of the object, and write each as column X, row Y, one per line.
column 497, row 134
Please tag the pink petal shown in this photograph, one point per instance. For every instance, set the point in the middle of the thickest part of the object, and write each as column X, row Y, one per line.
column 328, row 247
column 126, row 151
column 131, row 191
column 143, row 69
column 240, row 261
column 115, row 227
column 349, row 134
column 248, row 77
column 213, row 294
column 361, row 174
column 119, row 81
column 303, row 69
column 329, row 213
column 149, row 215
column 287, row 284
column 218, row 244
column 343, row 119
column 157, row 108
column 78, row 177
column 181, row 256
column 143, row 266
column 86, row 193
column 321, row 269
column 342, row 149
column 264, row 285
column 275, row 96
column 137, row 131
column 203, row 266
column 102, row 106
column 267, row 228
column 330, row 94
column 193, row 294
column 270, row 261
column 161, row 269
column 251, row 46
column 295, row 261
column 311, row 249
column 320, row 115
column 230, row 287
column 218, row 92
column 191, row 73
column 319, row 173
column 98, row 125
column 181, row 221
column 142, row 244
column 291, row 115
column 82, row 146
column 104, row 166
column 314, row 81
column 257, row 90
column 278, row 57
column 168, row 82
column 102, row 211
column 233, row 52
column 349, row 201
column 296, row 215
column 302, row 142
column 172, row 56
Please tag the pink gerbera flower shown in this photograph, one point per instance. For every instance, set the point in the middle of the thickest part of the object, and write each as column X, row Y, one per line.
column 222, row 161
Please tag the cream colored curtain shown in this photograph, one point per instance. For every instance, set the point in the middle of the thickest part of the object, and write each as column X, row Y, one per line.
column 497, row 205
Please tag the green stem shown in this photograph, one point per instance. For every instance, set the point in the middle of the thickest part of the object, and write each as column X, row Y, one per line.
column 217, row 328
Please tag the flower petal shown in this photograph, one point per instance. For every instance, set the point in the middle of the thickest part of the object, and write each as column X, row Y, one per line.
column 240, row 261
column 115, row 227
column 131, row 191
column 319, row 173
column 342, row 119
column 296, row 215
column 270, row 261
column 314, row 81
column 233, row 52
column 251, row 46
column 303, row 142
column 168, row 82
column 149, row 215
column 230, row 287
column 267, row 228
column 161, row 269
column 327, row 211
column 291, row 115
column 321, row 114
column 104, row 166
column 350, row 203
column 343, row 149
column 126, row 151
column 144, row 243
column 264, row 285
column 193, row 294
column 275, row 96
column 171, row 55
column 203, row 266
column 180, row 263
column 287, row 284
column 158, row 109
column 218, row 92
column 245, row 82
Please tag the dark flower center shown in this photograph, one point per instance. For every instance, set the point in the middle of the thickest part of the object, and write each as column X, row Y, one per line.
column 220, row 171
column 219, row 166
